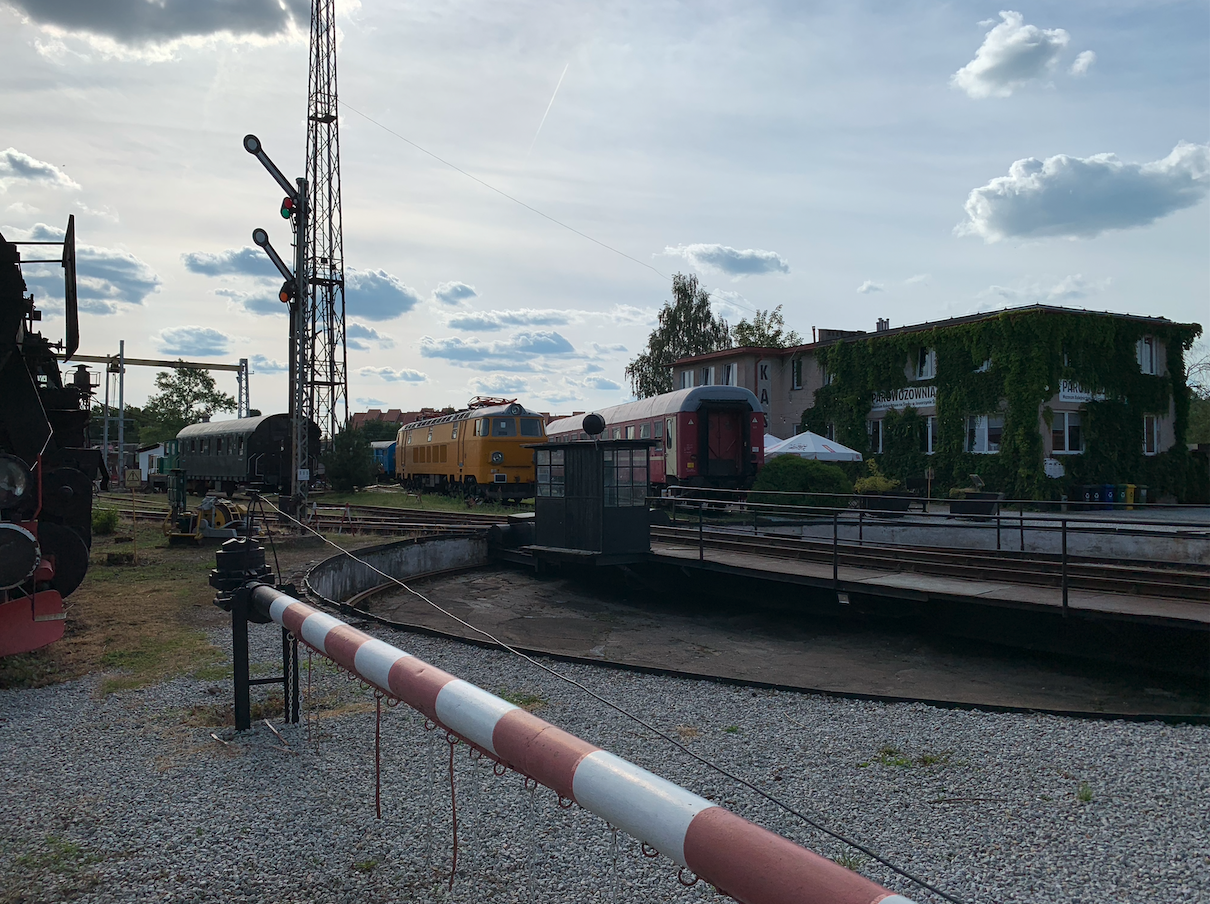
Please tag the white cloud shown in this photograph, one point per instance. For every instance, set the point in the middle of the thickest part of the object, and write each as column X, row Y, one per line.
column 869, row 286
column 1070, row 288
column 262, row 303
column 454, row 293
column 918, row 278
column 17, row 167
column 1012, row 55
column 377, row 295
column 1085, row 196
column 729, row 260
column 22, row 209
column 499, row 384
column 358, row 337
column 262, row 365
column 367, row 402
column 1083, row 63
column 521, row 347
column 403, row 375
column 192, row 342
column 487, row 321
column 607, row 349
column 246, row 261
column 105, row 277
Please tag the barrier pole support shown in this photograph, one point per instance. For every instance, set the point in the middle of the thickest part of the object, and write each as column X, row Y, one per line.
column 1021, row 511
column 239, row 661
column 997, row 531
column 835, row 549
column 701, row 533
column 1064, row 531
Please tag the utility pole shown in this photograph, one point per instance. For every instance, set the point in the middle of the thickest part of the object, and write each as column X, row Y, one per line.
column 327, row 366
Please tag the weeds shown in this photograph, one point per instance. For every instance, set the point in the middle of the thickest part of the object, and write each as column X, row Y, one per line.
column 525, row 700
column 849, row 861
column 687, row 732
column 365, row 866
column 732, row 729
column 890, row 755
column 1084, row 793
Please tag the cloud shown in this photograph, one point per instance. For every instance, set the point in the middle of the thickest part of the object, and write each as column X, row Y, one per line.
column 607, row 349
column 359, row 337
column 105, row 277
column 918, row 278
column 192, row 341
column 377, row 295
column 729, row 260
column 499, row 384
column 17, row 167
column 602, row 383
column 1012, row 55
column 486, row 321
column 262, row 365
column 1069, row 288
column 1085, row 196
column 454, row 293
column 246, row 261
column 520, row 347
column 113, row 26
column 21, row 209
column 869, row 286
column 1083, row 63
column 259, row 303
column 369, row 402
column 403, row 375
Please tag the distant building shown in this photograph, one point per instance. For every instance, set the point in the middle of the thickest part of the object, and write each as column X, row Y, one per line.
column 1035, row 399
column 390, row 416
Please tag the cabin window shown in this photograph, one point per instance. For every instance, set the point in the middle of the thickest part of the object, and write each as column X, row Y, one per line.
column 409, row 439
column 483, row 426
column 504, row 426
column 625, row 477
column 984, row 433
column 549, row 474
column 531, row 426
column 1065, row 435
column 241, row 447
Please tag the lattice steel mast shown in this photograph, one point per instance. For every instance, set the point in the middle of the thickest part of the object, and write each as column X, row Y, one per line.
column 326, row 376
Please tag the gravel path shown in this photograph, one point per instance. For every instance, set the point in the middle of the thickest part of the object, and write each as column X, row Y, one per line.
column 127, row 798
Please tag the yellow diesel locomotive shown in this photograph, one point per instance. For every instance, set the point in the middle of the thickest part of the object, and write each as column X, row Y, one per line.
column 478, row 451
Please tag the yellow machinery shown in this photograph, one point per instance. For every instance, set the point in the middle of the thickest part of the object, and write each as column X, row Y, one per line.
column 213, row 517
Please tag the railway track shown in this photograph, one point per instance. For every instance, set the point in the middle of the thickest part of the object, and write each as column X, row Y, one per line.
column 1163, row 579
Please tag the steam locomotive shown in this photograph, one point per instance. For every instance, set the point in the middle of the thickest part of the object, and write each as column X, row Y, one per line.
column 46, row 466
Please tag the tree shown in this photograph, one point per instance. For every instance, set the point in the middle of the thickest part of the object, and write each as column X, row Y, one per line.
column 350, row 461
column 1198, row 379
column 686, row 327
column 791, row 477
column 185, row 397
column 380, row 431
column 766, row 330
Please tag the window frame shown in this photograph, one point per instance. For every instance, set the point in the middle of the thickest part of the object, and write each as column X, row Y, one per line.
column 1065, row 432
column 978, row 434
column 1151, row 433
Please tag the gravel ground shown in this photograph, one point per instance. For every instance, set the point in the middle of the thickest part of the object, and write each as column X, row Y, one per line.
column 126, row 798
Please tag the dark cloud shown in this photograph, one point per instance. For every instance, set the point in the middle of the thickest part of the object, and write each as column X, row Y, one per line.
column 521, row 348
column 377, row 295
column 140, row 22
column 18, row 167
column 487, row 321
column 730, row 260
column 454, row 292
column 246, row 261
column 192, row 342
column 105, row 277
column 1081, row 197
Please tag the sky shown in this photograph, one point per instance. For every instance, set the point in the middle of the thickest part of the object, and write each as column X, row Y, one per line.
column 913, row 161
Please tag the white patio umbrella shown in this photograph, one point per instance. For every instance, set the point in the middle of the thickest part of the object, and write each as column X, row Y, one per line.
column 812, row 445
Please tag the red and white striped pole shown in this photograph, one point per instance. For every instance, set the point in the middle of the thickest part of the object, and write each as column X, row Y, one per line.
column 746, row 862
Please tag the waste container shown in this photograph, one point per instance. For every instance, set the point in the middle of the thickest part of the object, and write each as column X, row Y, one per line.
column 1107, row 495
column 1142, row 495
column 1119, row 496
column 1130, row 495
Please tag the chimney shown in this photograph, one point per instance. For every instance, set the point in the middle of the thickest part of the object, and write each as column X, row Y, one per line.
column 884, row 324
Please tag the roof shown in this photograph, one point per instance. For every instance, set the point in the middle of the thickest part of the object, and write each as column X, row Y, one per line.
column 233, row 425
column 513, row 409
column 659, row 406
column 922, row 327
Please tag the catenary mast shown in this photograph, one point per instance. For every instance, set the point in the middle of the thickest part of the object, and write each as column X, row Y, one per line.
column 326, row 376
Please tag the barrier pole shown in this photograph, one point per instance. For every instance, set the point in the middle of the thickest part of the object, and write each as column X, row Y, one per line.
column 701, row 532
column 1064, row 529
column 835, row 550
column 741, row 859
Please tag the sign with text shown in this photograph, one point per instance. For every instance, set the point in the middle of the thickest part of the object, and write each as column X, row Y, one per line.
column 1070, row 391
column 909, row 396
column 763, row 383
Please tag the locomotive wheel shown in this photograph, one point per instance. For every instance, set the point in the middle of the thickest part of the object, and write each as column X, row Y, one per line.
column 69, row 552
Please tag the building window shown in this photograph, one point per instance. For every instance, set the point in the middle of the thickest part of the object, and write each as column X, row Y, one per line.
column 829, row 431
column 926, row 364
column 928, row 438
column 796, row 373
column 549, row 471
column 983, row 433
column 874, row 429
column 625, row 477
column 1145, row 352
column 824, row 376
column 686, row 379
column 1151, row 434
column 984, row 367
column 1066, row 437
column 617, row 432
column 707, row 377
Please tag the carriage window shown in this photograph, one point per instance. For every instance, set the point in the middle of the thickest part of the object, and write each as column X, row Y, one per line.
column 218, row 443
column 531, row 426
column 241, row 446
column 644, row 431
column 659, row 435
column 625, row 477
column 504, row 426
column 549, row 472
column 630, row 432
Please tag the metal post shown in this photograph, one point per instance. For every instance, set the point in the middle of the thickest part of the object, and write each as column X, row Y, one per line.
column 300, row 476
column 754, row 516
column 122, row 413
column 860, row 527
column 701, row 535
column 997, row 531
column 244, row 404
column 1021, row 511
column 239, row 660
column 105, row 432
column 1064, row 567
column 835, row 549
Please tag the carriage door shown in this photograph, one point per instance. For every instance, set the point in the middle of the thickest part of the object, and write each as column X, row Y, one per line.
column 724, row 430
column 671, row 453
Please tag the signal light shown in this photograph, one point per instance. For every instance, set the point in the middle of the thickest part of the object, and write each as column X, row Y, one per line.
column 287, row 208
column 287, row 292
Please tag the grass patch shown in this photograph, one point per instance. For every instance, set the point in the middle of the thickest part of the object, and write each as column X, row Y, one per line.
column 365, row 866
column 731, row 729
column 1084, row 793
column 687, row 732
column 57, row 856
column 890, row 755
column 527, row 701
column 394, row 497
column 850, row 861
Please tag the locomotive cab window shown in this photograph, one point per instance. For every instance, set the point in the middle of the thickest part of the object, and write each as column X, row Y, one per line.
column 504, row 426
column 531, row 426
column 549, row 473
column 455, row 436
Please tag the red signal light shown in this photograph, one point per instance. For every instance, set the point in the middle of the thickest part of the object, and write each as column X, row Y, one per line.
column 287, row 208
column 286, row 293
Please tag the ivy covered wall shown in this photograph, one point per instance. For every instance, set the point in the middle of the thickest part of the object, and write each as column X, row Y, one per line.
column 1027, row 350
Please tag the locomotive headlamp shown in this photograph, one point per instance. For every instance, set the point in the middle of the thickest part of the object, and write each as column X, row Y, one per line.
column 19, row 555
column 16, row 483
column 497, row 458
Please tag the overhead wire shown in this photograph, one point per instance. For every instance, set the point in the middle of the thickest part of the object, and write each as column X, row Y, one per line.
column 637, row 719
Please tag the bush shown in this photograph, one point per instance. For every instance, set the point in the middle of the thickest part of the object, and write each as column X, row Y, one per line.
column 350, row 461
column 104, row 521
column 877, row 482
column 790, row 474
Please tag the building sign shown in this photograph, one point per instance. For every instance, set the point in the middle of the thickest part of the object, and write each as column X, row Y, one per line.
column 909, row 396
column 762, row 384
column 1070, row 391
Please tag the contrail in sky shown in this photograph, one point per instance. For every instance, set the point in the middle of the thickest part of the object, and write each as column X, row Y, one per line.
column 547, row 113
